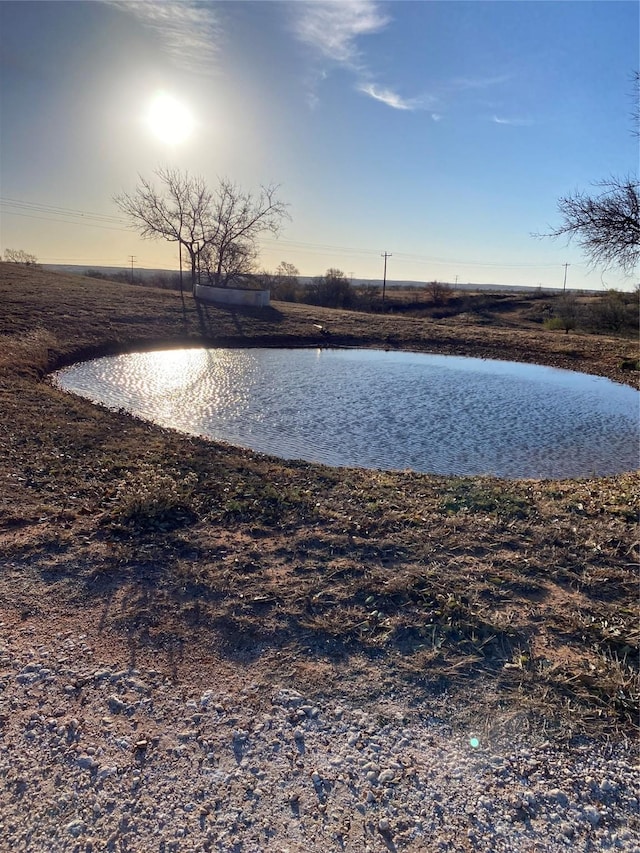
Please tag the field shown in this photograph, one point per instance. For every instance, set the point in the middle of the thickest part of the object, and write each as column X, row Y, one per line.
column 518, row 599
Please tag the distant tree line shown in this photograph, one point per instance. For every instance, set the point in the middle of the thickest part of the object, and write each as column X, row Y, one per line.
column 610, row 312
column 335, row 290
column 331, row 290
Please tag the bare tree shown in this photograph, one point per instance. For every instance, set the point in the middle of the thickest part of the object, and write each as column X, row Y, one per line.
column 218, row 230
column 287, row 271
column 19, row 256
column 333, row 290
column 606, row 226
column 287, row 282
column 178, row 212
column 439, row 291
column 238, row 219
column 635, row 94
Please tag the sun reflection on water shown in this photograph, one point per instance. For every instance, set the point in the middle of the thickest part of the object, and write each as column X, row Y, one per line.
column 169, row 371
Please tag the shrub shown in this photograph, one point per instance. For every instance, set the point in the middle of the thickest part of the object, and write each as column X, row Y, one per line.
column 614, row 312
column 439, row 291
column 332, row 290
column 554, row 324
column 567, row 314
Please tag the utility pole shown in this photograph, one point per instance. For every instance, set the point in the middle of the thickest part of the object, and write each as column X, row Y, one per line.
column 384, row 279
column 132, row 259
column 564, row 286
column 184, row 310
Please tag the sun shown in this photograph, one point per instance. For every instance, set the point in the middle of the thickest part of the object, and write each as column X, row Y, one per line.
column 169, row 119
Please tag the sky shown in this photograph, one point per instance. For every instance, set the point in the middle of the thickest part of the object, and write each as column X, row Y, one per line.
column 440, row 132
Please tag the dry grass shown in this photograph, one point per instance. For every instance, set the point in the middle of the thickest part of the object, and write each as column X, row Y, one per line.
column 518, row 595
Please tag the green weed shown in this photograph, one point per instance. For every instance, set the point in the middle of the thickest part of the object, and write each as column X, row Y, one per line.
column 475, row 496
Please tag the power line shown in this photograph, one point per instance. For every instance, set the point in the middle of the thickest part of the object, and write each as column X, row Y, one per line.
column 402, row 257
column 65, row 221
column 58, row 210
column 74, row 216
column 94, row 260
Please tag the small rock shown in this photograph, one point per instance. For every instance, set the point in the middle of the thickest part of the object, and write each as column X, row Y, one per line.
column 137, row 685
column 75, row 827
column 592, row 815
column 288, row 698
column 86, row 762
column 116, row 705
column 187, row 734
column 607, row 786
column 105, row 771
column 99, row 674
column 567, row 830
column 387, row 776
column 559, row 796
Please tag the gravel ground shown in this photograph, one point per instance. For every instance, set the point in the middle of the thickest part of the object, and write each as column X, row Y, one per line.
column 97, row 755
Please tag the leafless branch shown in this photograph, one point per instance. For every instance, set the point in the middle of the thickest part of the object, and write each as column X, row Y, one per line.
column 606, row 226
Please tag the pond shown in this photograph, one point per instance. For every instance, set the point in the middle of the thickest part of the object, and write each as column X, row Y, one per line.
column 373, row 409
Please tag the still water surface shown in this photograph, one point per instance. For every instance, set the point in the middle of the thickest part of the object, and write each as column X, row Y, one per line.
column 373, row 409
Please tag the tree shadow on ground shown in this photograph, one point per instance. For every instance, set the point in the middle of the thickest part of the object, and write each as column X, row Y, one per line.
column 145, row 590
column 242, row 318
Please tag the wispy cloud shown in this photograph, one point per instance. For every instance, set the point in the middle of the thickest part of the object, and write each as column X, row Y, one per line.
column 386, row 96
column 514, row 122
column 332, row 28
column 190, row 31
column 395, row 101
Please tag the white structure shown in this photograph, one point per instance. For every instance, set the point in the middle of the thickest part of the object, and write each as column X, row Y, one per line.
column 232, row 296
